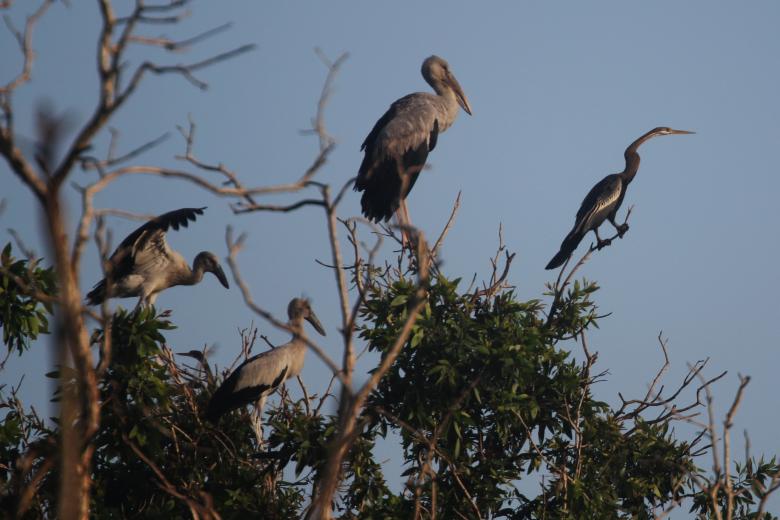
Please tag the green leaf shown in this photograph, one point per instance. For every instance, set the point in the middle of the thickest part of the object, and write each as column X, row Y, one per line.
column 399, row 300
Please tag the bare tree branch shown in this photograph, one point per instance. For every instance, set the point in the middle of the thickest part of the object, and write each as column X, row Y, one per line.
column 180, row 45
column 447, row 226
column 24, row 39
column 350, row 408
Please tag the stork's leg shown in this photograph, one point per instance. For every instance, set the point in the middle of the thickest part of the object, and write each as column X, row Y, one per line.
column 621, row 228
column 601, row 243
column 146, row 299
column 405, row 223
column 257, row 422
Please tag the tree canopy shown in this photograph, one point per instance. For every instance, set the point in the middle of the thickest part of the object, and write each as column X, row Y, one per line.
column 488, row 401
column 486, row 394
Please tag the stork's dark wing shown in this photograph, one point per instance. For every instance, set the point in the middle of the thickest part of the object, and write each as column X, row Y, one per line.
column 173, row 219
column 370, row 144
column 151, row 234
column 395, row 152
column 382, row 122
column 256, row 376
column 414, row 160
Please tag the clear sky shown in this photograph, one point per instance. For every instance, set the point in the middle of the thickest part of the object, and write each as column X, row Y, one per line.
column 559, row 89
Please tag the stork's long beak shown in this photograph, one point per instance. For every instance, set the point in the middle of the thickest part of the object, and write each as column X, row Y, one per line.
column 220, row 274
column 673, row 131
column 195, row 354
column 459, row 95
column 315, row 322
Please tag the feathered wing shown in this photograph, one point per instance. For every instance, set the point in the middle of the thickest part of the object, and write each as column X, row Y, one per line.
column 255, row 377
column 98, row 293
column 173, row 219
column 395, row 152
column 143, row 249
column 600, row 201
column 150, row 237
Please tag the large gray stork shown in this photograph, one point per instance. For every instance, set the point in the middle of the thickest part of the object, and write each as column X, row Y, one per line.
column 604, row 199
column 259, row 376
column 398, row 145
column 143, row 264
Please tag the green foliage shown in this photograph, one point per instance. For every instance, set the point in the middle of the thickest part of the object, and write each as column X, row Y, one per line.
column 485, row 395
column 620, row 473
column 479, row 376
column 25, row 444
column 152, row 425
column 574, row 310
column 750, row 483
column 23, row 316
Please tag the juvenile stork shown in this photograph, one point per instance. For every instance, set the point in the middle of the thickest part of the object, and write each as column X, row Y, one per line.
column 398, row 145
column 144, row 265
column 259, row 376
column 604, row 199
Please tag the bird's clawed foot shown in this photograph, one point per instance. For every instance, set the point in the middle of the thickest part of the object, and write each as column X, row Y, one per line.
column 603, row 243
column 621, row 229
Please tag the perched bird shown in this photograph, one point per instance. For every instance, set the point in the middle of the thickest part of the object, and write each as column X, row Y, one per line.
column 604, row 199
column 143, row 265
column 398, row 145
column 259, row 376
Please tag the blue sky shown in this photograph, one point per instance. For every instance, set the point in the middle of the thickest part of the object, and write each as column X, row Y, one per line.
column 559, row 89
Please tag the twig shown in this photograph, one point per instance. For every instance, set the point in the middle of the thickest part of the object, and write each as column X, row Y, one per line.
column 446, row 230
column 24, row 40
column 245, row 208
column 173, row 45
column 559, row 288
column 349, row 412
column 189, row 137
column 727, row 425
column 607, row 242
column 497, row 281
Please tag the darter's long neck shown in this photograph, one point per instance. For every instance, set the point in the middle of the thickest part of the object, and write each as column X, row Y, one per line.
column 632, row 157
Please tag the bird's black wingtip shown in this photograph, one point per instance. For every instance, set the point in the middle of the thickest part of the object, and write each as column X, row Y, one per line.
column 374, row 212
column 182, row 217
column 97, row 294
column 192, row 214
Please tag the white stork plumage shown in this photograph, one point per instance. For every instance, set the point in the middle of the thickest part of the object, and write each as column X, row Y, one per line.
column 259, row 376
column 143, row 264
column 397, row 147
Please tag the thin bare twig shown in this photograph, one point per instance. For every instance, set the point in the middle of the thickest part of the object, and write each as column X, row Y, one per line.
column 178, row 45
column 497, row 282
column 24, row 40
column 450, row 221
